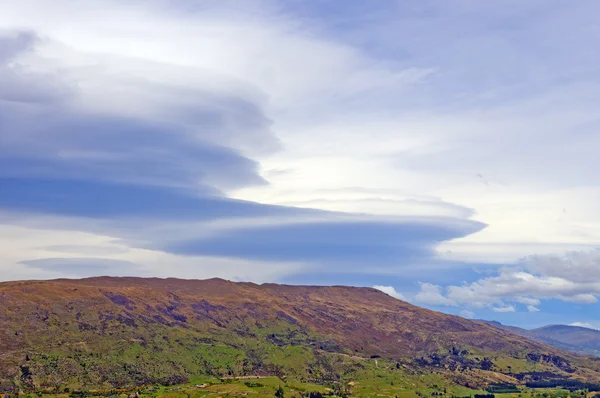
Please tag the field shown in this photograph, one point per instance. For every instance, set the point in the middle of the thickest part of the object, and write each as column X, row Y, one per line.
column 267, row 387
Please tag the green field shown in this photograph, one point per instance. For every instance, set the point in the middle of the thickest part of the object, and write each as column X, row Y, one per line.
column 376, row 386
column 376, row 378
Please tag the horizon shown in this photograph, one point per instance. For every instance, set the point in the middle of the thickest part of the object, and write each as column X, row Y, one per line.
column 444, row 154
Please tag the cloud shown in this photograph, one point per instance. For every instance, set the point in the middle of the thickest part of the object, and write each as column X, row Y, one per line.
column 19, row 85
column 507, row 308
column 110, row 200
column 432, row 295
column 532, row 308
column 84, row 267
column 176, row 151
column 197, row 157
column 354, row 202
column 585, row 298
column 534, row 279
column 346, row 243
column 15, row 43
column 587, row 325
column 90, row 250
column 467, row 314
column 390, row 291
column 575, row 266
column 31, row 252
column 158, row 181
column 527, row 300
column 511, row 283
column 455, row 127
column 165, row 221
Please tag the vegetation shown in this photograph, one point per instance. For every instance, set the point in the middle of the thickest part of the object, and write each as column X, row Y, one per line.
column 280, row 393
column 272, row 386
column 112, row 336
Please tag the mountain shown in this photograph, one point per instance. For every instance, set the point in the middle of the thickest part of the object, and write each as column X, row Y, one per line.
column 508, row 328
column 118, row 332
column 572, row 338
column 584, row 339
column 537, row 337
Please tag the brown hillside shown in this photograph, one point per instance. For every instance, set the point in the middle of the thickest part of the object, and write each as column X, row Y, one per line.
column 363, row 319
column 104, row 313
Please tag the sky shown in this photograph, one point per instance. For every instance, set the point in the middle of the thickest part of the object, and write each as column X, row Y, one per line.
column 445, row 153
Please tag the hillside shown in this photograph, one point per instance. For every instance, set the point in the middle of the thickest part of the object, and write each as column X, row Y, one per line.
column 573, row 338
column 119, row 332
column 586, row 340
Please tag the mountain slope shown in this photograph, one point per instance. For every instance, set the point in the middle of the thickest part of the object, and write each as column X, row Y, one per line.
column 108, row 332
column 586, row 340
column 572, row 338
column 508, row 328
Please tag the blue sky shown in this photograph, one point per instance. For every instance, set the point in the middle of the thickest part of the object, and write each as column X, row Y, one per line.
column 445, row 152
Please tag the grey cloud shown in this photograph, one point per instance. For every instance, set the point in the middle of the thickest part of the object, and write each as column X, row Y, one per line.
column 69, row 161
column 82, row 267
column 13, row 43
column 576, row 266
column 44, row 136
column 20, row 85
column 426, row 206
column 86, row 250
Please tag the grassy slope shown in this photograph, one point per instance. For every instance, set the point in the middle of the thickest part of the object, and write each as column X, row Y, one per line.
column 107, row 332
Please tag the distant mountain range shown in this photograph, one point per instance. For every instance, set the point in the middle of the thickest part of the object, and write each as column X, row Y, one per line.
column 573, row 338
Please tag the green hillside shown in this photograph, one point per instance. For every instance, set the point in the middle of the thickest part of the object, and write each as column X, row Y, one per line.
column 108, row 333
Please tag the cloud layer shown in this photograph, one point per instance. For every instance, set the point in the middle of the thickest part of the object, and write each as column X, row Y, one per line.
column 445, row 151
column 147, row 189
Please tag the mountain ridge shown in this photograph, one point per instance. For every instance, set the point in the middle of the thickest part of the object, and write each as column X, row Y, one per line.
column 578, row 339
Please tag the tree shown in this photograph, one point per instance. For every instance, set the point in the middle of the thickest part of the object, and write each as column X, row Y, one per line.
column 280, row 393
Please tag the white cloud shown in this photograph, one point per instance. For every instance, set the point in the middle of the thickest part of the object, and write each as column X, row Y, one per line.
column 507, row 308
column 390, row 291
column 467, row 314
column 584, row 298
column 587, row 325
column 576, row 266
column 254, row 44
column 517, row 285
column 349, row 118
column 432, row 295
column 38, row 247
column 528, row 300
column 570, row 277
